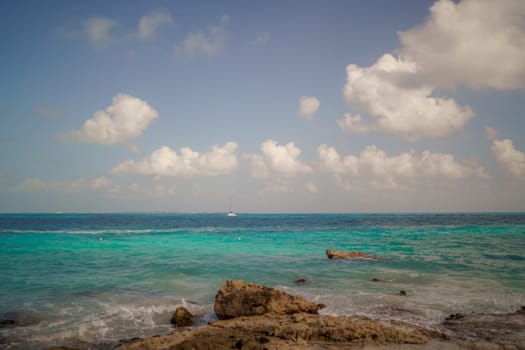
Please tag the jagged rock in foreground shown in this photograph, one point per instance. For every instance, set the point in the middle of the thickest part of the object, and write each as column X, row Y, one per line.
column 279, row 327
column 240, row 298
column 259, row 317
column 335, row 254
column 299, row 331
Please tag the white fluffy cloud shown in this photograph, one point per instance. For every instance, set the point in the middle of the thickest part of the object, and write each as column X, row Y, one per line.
column 125, row 119
column 476, row 43
column 380, row 170
column 208, row 44
column 98, row 30
column 308, row 105
column 480, row 43
column 149, row 24
column 510, row 157
column 166, row 162
column 353, row 123
column 384, row 91
column 279, row 160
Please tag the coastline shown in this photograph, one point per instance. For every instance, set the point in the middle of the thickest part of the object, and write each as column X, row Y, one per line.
column 257, row 317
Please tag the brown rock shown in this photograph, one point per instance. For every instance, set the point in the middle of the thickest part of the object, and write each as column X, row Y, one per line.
column 182, row 318
column 240, row 298
column 302, row 331
column 298, row 331
column 300, row 280
column 335, row 254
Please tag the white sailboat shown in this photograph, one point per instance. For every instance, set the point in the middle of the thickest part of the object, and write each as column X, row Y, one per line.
column 230, row 211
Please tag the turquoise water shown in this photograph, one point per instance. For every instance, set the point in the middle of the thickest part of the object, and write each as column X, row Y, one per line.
column 91, row 280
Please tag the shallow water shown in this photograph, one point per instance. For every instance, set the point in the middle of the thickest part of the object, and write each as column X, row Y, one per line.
column 95, row 279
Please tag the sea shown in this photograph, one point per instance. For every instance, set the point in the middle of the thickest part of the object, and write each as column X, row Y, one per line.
column 89, row 281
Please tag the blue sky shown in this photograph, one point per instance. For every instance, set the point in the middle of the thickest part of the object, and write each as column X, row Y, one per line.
column 275, row 106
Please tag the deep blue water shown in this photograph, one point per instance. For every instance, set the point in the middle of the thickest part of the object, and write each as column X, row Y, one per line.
column 84, row 279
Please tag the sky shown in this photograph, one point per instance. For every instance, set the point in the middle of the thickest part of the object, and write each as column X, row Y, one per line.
column 285, row 106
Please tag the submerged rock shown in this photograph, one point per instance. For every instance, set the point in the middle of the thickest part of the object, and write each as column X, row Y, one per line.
column 456, row 316
column 300, row 280
column 375, row 279
column 335, row 254
column 240, row 298
column 182, row 318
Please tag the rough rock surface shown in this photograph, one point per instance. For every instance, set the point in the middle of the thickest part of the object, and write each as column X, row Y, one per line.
column 259, row 317
column 503, row 329
column 297, row 331
column 281, row 329
column 240, row 298
column 335, row 254
column 182, row 317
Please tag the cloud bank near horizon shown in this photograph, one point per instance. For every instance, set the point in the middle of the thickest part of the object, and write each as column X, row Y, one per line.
column 187, row 163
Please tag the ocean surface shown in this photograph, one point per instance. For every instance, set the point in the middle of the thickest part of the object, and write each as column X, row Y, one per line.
column 90, row 280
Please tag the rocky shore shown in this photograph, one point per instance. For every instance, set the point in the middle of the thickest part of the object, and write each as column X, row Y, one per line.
column 258, row 317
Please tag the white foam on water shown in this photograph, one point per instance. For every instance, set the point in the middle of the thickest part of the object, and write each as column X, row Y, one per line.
column 104, row 231
column 427, row 301
column 105, row 319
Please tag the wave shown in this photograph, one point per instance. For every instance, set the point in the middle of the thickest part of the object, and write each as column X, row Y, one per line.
column 117, row 231
column 101, row 321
